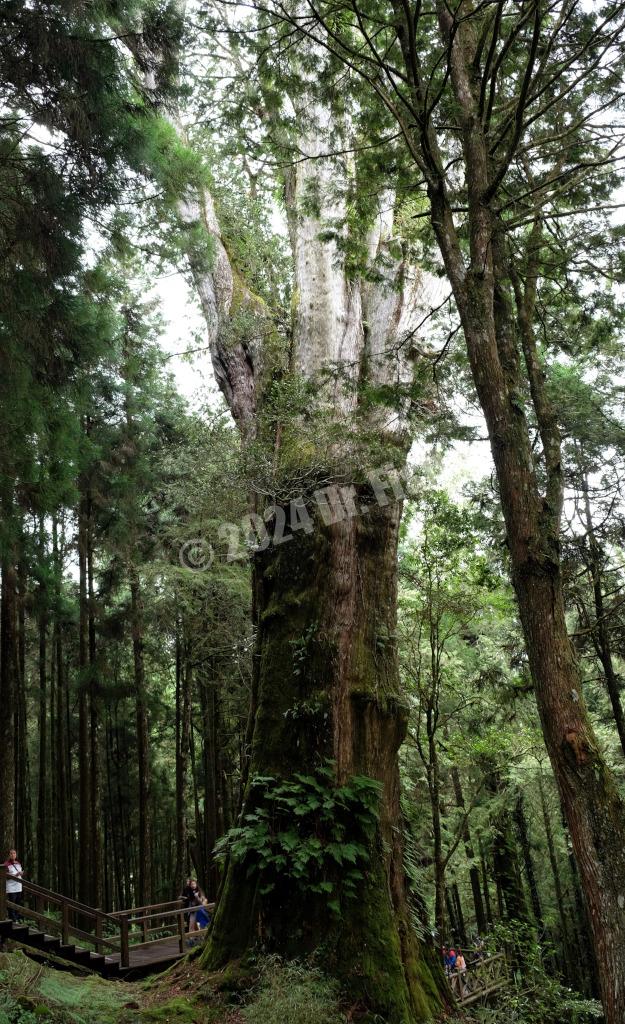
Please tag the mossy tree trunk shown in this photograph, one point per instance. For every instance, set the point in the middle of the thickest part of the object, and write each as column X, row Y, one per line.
column 326, row 688
column 329, row 690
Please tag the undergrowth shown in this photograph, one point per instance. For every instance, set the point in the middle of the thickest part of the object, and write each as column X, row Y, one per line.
column 293, row 992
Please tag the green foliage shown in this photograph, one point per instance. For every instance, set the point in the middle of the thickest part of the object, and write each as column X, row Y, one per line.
column 294, row 993
column 307, row 831
column 537, row 995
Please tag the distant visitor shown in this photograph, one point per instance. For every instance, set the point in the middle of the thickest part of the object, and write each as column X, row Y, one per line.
column 14, row 890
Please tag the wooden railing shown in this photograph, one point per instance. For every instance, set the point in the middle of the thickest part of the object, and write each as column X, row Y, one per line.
column 121, row 932
column 481, row 979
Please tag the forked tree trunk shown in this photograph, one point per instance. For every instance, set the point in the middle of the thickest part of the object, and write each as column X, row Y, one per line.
column 495, row 289
column 327, row 622
column 325, row 602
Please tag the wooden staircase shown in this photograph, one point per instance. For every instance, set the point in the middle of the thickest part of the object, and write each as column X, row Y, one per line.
column 126, row 942
column 20, row 932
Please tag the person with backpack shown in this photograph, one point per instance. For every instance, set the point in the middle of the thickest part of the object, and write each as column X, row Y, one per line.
column 14, row 888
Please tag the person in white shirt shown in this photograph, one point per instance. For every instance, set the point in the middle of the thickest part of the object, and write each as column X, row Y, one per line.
column 14, row 874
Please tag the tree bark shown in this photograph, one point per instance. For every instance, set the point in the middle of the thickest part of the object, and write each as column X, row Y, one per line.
column 43, row 823
column 8, row 697
column 183, row 742
column 601, row 632
column 144, row 895
column 85, row 854
column 528, row 863
column 474, row 871
column 95, row 759
column 329, row 597
column 497, row 339
column 570, row 973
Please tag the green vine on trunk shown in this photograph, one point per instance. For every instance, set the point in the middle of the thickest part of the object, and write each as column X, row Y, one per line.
column 308, row 831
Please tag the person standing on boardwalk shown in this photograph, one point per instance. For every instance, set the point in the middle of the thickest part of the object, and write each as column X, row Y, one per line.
column 192, row 896
column 14, row 891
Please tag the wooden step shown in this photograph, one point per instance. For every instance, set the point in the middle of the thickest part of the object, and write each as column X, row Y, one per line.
column 83, row 956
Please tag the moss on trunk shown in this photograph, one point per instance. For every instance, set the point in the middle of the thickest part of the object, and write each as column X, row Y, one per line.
column 329, row 690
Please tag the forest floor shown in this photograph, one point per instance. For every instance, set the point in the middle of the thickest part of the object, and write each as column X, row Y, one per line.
column 33, row 991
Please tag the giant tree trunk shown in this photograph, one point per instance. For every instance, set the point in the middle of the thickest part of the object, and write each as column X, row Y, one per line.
column 328, row 689
column 325, row 601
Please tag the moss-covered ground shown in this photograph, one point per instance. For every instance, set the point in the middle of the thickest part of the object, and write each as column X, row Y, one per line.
column 268, row 991
column 32, row 992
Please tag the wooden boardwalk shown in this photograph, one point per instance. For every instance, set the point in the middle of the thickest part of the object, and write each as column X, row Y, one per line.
column 127, row 942
column 481, row 980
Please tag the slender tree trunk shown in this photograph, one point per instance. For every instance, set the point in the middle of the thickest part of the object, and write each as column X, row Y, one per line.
column 95, row 766
column 341, row 581
column 183, row 741
column 498, row 338
column 43, row 823
column 8, row 696
column 452, row 927
column 526, row 851
column 474, row 871
column 206, row 692
column 601, row 632
column 462, row 932
column 433, row 780
column 23, row 817
column 557, row 885
column 86, row 866
column 485, row 883
column 143, row 744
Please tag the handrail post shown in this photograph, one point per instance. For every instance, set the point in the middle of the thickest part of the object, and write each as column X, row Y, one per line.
column 144, row 926
column 181, row 934
column 3, row 897
column 98, row 931
column 65, row 924
column 125, row 949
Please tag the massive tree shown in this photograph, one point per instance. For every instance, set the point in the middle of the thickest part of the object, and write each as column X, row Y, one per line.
column 503, row 111
column 321, row 401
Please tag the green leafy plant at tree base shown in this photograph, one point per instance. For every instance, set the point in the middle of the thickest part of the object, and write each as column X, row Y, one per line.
column 307, row 830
